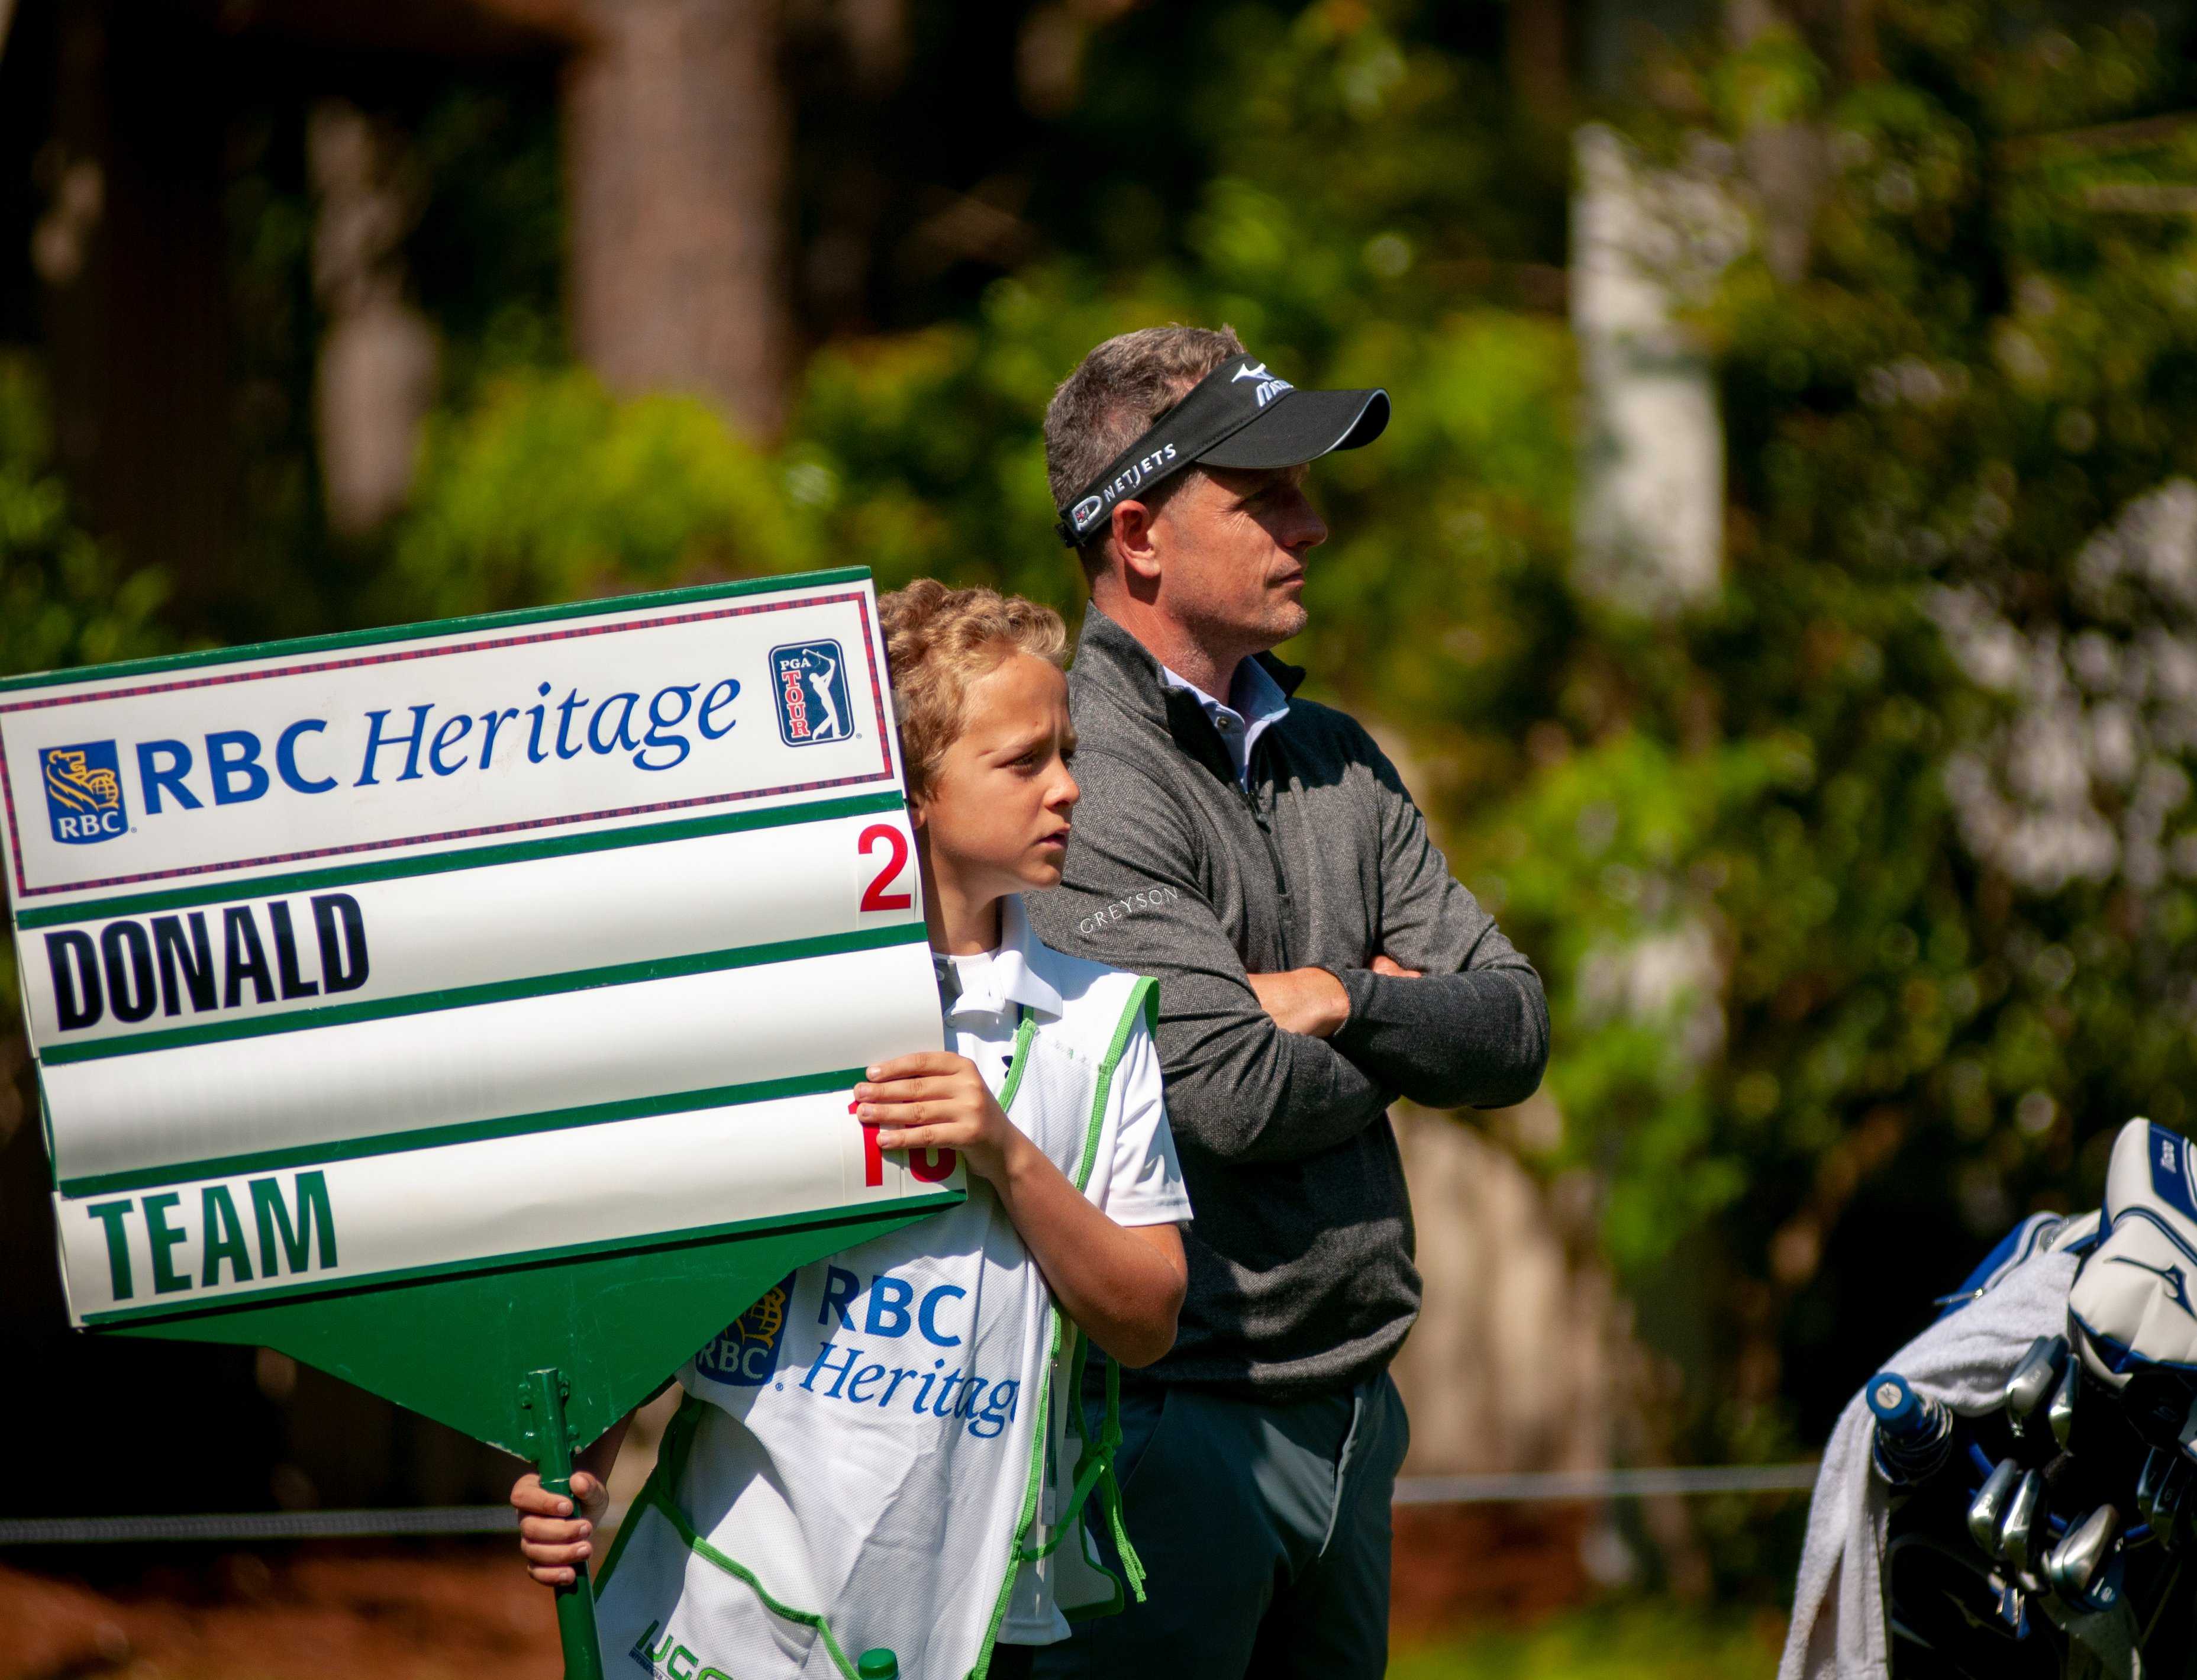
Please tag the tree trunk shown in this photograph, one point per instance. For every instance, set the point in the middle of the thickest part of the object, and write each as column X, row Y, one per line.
column 375, row 382
column 131, row 251
column 1785, row 161
column 676, row 144
column 1651, row 522
column 1511, row 1366
column 1535, row 57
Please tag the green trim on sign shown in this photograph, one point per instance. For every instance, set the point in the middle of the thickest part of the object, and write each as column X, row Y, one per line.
column 444, row 627
column 616, row 1324
column 651, row 1242
column 462, row 1132
column 442, row 863
column 46, row 1124
column 494, row 992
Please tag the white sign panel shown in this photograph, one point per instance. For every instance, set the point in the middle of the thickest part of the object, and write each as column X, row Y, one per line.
column 409, row 953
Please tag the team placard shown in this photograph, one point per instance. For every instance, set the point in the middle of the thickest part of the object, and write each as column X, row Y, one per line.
column 465, row 950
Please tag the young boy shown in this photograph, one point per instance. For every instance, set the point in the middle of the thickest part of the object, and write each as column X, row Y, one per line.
column 836, row 1504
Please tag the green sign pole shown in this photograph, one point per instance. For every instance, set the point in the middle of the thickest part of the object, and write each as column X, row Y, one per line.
column 544, row 1399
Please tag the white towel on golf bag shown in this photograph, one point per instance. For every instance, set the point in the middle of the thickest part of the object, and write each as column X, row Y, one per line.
column 1838, row 1631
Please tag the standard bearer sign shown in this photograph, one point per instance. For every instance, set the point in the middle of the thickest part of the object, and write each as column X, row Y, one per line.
column 448, row 1003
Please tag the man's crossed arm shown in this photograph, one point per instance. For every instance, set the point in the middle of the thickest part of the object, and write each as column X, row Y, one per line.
column 1311, row 1000
column 1278, row 1067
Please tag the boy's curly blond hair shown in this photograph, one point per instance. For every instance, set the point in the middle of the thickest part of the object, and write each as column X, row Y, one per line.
column 938, row 641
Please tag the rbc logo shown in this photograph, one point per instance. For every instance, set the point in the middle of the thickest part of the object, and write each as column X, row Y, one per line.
column 83, row 792
column 745, row 1353
column 809, row 681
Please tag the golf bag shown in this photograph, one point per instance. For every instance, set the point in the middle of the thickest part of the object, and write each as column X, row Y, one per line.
column 2012, row 1496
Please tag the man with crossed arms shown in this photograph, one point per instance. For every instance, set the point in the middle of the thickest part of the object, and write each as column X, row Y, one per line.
column 1260, row 856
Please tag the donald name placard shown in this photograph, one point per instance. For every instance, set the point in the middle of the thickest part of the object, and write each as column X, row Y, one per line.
column 401, row 954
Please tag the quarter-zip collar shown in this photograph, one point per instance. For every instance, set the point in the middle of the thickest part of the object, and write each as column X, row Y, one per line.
column 1255, row 705
column 1115, row 664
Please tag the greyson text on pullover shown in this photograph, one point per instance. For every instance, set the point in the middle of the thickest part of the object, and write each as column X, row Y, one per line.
column 1302, row 1277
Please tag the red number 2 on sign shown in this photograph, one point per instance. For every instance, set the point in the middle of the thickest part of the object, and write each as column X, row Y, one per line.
column 874, row 896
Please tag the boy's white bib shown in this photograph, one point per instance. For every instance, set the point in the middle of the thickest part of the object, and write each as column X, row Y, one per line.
column 861, row 1460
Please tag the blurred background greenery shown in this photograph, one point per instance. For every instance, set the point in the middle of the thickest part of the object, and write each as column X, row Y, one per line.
column 1859, row 867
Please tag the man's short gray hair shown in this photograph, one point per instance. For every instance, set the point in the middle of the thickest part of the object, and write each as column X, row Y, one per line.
column 1117, row 393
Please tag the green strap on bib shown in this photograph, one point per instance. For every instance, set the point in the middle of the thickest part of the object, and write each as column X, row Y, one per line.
column 1093, row 1465
column 1094, row 1473
column 1109, row 1488
column 671, row 1464
column 1025, row 1030
column 1094, row 1470
column 1098, row 1462
column 1145, row 1005
column 658, row 1493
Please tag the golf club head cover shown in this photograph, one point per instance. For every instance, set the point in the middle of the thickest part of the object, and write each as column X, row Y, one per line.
column 2131, row 1308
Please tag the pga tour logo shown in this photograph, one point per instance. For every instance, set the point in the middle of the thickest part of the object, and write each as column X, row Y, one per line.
column 83, row 792
column 809, row 681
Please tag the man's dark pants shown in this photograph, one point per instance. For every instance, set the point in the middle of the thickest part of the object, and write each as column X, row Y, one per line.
column 1264, row 1531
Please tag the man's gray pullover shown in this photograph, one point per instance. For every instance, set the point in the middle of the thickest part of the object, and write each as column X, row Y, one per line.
column 1301, row 1278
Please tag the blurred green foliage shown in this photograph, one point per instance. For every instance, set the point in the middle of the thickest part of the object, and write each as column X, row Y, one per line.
column 1930, row 1030
column 61, row 602
column 1819, row 1034
column 1792, row 1002
column 1634, row 1640
column 548, row 489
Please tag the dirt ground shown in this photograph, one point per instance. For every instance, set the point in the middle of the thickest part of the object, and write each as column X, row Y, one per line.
column 463, row 1610
column 1455, row 1567
column 314, row 1612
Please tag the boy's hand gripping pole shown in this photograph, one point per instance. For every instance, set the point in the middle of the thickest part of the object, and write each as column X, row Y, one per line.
column 542, row 1399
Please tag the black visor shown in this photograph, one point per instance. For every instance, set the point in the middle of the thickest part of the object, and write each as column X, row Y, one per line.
column 1239, row 415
